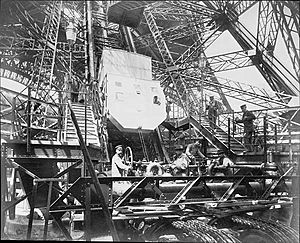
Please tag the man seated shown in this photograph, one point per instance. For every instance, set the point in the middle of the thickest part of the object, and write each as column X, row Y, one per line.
column 180, row 165
column 154, row 169
column 193, row 150
column 221, row 166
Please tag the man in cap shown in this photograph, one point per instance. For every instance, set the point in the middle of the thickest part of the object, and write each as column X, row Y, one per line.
column 221, row 166
column 118, row 166
column 247, row 119
column 212, row 109
column 188, row 158
column 193, row 149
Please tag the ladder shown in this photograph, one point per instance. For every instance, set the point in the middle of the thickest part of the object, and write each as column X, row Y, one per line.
column 89, row 123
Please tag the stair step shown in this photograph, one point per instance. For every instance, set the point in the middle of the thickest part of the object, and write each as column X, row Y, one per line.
column 90, row 138
column 82, row 133
column 88, row 120
column 82, row 119
column 82, row 127
column 82, row 130
column 81, row 114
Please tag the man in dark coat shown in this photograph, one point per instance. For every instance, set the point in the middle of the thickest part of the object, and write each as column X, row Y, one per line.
column 247, row 118
column 212, row 109
column 74, row 87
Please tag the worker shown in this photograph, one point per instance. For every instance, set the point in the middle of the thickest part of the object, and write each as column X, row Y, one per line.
column 168, row 109
column 154, row 169
column 225, row 163
column 221, row 166
column 156, row 100
column 193, row 150
column 185, row 159
column 212, row 109
column 247, row 118
column 74, row 87
column 118, row 166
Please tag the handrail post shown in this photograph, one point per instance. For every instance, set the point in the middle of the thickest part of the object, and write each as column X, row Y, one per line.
column 85, row 119
column 290, row 143
column 233, row 125
column 265, row 139
column 60, row 116
column 276, row 139
column 28, row 129
column 13, row 127
column 228, row 135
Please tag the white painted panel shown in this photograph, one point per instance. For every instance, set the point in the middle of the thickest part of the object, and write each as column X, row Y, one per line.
column 131, row 91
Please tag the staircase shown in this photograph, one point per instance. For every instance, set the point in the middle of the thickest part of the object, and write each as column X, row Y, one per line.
column 91, row 132
column 219, row 139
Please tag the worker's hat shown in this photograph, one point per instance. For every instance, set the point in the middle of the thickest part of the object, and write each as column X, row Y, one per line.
column 118, row 146
column 243, row 106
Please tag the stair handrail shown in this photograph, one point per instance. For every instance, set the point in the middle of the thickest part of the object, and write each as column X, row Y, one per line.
column 91, row 170
column 97, row 98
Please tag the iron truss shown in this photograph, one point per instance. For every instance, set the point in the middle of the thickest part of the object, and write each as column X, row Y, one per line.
column 175, row 34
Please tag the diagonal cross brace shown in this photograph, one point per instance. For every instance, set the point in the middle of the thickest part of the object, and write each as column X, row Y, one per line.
column 231, row 189
column 274, row 183
column 134, row 186
column 184, row 191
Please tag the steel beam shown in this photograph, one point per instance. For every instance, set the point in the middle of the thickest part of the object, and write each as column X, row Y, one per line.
column 276, row 74
column 289, row 27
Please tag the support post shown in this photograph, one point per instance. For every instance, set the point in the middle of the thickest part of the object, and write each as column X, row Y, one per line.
column 3, row 187
column 87, row 213
column 47, row 211
column 34, row 194
column 12, row 210
column 90, row 41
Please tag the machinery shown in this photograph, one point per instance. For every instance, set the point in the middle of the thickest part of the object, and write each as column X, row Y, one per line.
column 143, row 78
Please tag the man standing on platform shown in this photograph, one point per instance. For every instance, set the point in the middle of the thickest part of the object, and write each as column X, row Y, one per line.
column 247, row 118
column 212, row 109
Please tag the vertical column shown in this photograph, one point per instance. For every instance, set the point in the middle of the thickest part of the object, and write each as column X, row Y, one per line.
column 87, row 213
column 34, row 194
column 3, row 187
column 47, row 210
